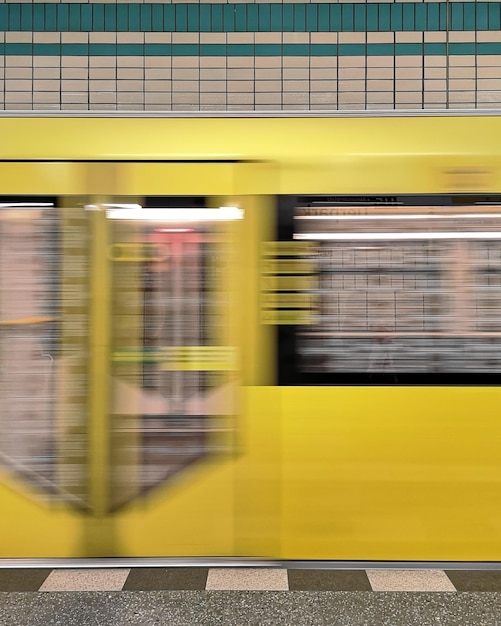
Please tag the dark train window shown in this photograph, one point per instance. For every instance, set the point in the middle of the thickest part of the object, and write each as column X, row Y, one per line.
column 406, row 292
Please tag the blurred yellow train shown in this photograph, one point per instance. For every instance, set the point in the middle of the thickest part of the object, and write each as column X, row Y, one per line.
column 266, row 337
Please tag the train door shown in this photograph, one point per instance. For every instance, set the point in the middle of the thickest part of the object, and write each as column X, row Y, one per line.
column 44, row 361
column 173, row 376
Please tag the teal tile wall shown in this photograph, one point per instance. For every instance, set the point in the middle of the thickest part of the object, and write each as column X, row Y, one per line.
column 251, row 50
column 249, row 55
column 265, row 17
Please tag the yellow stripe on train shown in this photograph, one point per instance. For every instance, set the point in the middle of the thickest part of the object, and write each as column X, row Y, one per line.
column 184, row 358
column 199, row 359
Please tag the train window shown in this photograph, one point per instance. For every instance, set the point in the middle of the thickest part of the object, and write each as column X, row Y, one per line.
column 405, row 294
column 172, row 395
column 44, row 345
column 27, row 235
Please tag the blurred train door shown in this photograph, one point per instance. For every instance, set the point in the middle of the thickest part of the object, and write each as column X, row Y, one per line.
column 173, row 373
column 44, row 363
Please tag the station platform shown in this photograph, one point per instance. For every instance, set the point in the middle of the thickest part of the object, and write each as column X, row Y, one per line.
column 185, row 596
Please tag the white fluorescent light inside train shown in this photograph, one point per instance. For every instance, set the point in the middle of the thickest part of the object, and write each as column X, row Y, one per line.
column 25, row 205
column 398, row 236
column 415, row 216
column 222, row 214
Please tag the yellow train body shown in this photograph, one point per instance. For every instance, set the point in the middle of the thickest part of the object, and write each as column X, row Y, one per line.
column 317, row 472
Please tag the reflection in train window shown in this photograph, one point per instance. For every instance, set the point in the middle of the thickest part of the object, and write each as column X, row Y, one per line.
column 44, row 346
column 27, row 290
column 403, row 293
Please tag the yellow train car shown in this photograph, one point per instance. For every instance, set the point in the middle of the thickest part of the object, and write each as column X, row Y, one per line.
column 253, row 337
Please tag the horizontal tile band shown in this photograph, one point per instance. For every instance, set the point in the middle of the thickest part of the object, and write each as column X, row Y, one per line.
column 250, row 17
column 250, row 50
column 260, row 578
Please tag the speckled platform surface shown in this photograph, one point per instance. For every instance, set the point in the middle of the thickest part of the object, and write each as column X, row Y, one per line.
column 249, row 608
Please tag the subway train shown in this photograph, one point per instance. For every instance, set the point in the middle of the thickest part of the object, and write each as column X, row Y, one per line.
column 251, row 337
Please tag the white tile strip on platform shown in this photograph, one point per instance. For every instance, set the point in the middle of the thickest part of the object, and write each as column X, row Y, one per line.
column 85, row 580
column 409, row 580
column 247, row 579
